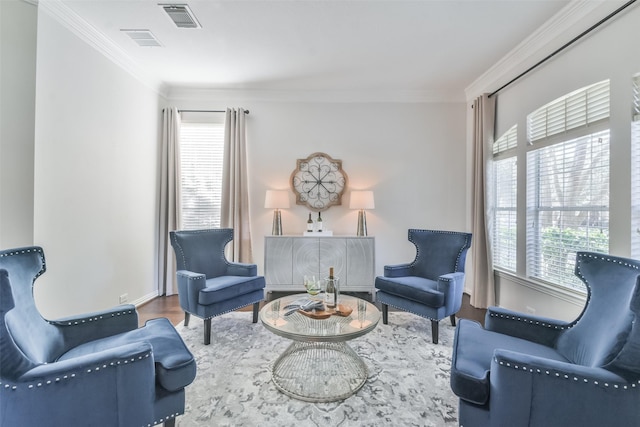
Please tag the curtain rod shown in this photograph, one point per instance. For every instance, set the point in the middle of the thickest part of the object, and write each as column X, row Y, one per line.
column 575, row 39
column 207, row 111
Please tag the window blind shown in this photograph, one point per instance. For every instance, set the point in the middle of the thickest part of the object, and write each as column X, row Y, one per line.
column 579, row 109
column 567, row 206
column 505, row 215
column 507, row 141
column 505, row 171
column 201, row 158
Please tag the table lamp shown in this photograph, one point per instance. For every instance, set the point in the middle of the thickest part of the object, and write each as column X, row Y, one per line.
column 276, row 199
column 362, row 200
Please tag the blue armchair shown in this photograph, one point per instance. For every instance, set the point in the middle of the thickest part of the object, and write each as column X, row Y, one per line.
column 98, row 369
column 432, row 285
column 523, row 370
column 208, row 284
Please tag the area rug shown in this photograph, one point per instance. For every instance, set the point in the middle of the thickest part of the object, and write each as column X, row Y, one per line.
column 408, row 382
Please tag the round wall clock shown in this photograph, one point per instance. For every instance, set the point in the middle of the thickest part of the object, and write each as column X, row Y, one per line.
column 318, row 182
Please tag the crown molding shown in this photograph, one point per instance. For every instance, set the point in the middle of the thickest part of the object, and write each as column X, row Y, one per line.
column 86, row 32
column 568, row 23
column 177, row 93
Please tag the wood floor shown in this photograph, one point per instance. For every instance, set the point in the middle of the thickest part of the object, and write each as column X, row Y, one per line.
column 169, row 307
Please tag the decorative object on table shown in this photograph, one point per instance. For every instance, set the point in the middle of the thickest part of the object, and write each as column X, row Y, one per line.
column 303, row 304
column 276, row 199
column 318, row 181
column 362, row 200
column 522, row 369
column 332, row 290
column 431, row 285
column 325, row 313
column 208, row 284
column 313, row 286
column 97, row 368
column 319, row 225
column 310, row 224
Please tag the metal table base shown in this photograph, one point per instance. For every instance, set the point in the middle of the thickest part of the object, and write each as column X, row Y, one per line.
column 319, row 371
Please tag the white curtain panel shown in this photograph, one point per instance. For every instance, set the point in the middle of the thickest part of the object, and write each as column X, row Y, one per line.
column 483, row 292
column 235, row 186
column 169, row 217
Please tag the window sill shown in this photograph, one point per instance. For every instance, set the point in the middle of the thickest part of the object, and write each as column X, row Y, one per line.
column 572, row 296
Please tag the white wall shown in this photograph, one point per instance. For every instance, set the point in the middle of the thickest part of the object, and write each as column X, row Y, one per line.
column 96, row 170
column 412, row 155
column 609, row 53
column 18, row 25
column 96, row 155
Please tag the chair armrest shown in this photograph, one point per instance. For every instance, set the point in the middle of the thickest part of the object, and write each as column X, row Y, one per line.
column 538, row 329
column 241, row 269
column 532, row 391
column 103, row 388
column 92, row 326
column 397, row 270
column 452, row 286
column 189, row 286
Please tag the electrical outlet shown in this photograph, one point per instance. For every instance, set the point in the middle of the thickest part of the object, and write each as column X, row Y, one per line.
column 531, row 310
column 124, row 298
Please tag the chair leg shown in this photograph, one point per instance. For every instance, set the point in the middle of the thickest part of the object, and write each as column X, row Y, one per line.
column 171, row 422
column 256, row 307
column 434, row 331
column 453, row 319
column 385, row 314
column 207, row 331
column 187, row 316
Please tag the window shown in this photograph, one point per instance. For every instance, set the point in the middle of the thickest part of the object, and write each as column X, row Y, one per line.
column 567, row 183
column 635, row 170
column 505, row 194
column 201, row 158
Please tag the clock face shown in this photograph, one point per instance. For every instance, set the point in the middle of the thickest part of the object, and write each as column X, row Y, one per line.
column 318, row 181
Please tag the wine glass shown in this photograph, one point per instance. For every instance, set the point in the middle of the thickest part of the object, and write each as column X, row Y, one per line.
column 312, row 285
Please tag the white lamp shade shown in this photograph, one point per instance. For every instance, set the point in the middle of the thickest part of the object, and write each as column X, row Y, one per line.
column 276, row 199
column 361, row 200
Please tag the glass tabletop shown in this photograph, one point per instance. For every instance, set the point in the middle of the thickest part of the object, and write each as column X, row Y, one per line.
column 296, row 326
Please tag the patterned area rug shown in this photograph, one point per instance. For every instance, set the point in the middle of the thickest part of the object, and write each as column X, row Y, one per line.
column 408, row 382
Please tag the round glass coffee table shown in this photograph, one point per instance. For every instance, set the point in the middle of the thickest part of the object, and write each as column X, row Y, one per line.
column 319, row 366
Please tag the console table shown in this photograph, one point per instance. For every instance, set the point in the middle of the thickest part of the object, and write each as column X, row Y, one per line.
column 288, row 258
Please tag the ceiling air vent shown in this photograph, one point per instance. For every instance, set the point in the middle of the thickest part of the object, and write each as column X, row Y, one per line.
column 144, row 38
column 181, row 15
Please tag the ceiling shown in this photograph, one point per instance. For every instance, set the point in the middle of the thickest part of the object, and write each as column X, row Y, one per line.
column 320, row 45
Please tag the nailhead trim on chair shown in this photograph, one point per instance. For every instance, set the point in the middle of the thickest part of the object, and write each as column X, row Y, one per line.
column 531, row 321
column 212, row 230
column 467, row 244
column 228, row 311
column 70, row 376
column 92, row 319
column 26, row 251
column 623, row 386
column 162, row 420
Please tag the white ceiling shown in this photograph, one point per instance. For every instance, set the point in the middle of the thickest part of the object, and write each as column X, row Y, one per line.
column 316, row 45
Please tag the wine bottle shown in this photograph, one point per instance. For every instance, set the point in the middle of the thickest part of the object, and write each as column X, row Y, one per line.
column 330, row 291
column 319, row 222
column 310, row 223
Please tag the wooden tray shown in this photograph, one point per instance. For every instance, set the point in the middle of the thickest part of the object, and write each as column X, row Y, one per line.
column 340, row 310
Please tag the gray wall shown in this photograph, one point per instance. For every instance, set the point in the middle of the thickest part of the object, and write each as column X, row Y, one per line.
column 18, row 28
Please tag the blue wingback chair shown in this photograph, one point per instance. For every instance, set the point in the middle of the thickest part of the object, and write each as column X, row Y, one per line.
column 523, row 370
column 432, row 285
column 97, row 369
column 208, row 284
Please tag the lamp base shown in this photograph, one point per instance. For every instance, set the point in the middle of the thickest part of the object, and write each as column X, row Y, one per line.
column 362, row 223
column 276, row 229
